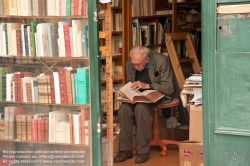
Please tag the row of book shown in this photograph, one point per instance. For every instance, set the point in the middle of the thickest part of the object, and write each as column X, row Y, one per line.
column 62, row 126
column 66, row 86
column 150, row 7
column 149, row 31
column 43, row 7
column 116, row 93
column 63, row 39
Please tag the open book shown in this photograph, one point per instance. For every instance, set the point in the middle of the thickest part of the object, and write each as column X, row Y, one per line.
column 131, row 96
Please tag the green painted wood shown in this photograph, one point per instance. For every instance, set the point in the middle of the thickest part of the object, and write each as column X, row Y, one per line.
column 226, row 86
column 95, row 98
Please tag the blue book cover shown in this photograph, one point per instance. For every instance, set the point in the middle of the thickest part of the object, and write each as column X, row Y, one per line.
column 85, row 40
column 26, row 41
column 83, row 85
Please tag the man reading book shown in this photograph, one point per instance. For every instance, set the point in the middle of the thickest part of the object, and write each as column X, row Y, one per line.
column 146, row 70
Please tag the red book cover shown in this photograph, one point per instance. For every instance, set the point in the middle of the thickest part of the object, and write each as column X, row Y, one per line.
column 67, row 39
column 34, row 129
column 19, row 42
column 52, row 89
column 80, row 3
column 40, row 129
column 76, row 5
column 46, row 129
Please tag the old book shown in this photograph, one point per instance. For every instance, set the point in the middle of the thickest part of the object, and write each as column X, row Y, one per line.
column 57, row 87
column 67, row 39
column 26, row 7
column 52, row 89
column 46, row 129
column 29, row 129
column 34, row 129
column 3, row 87
column 12, row 7
column 19, row 127
column 40, row 129
column 131, row 96
column 23, row 127
column 6, row 122
column 13, row 111
column 6, row 7
column 63, row 85
column 1, row 126
column 51, row 7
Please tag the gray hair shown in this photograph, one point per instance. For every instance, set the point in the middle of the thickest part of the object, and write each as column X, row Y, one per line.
column 142, row 50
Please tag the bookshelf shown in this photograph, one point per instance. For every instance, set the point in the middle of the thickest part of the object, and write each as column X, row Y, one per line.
column 41, row 116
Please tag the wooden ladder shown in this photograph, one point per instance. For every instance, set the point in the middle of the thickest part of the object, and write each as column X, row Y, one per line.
column 182, row 66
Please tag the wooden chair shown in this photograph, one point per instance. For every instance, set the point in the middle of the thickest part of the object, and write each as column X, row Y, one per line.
column 156, row 133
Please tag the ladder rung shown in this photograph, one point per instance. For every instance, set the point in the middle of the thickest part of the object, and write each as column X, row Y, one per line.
column 183, row 60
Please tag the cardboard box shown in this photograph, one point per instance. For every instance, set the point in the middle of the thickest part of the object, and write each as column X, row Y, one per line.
column 195, row 123
column 191, row 153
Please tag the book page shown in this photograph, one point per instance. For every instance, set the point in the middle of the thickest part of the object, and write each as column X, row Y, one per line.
column 128, row 92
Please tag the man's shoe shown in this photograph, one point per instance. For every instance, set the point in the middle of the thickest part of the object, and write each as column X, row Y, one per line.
column 141, row 158
column 122, row 156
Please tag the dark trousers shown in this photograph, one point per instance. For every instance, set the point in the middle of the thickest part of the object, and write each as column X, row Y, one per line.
column 140, row 115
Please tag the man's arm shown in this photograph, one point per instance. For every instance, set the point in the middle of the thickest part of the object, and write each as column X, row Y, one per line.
column 165, row 83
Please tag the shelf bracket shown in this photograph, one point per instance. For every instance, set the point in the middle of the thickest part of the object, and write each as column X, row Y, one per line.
column 49, row 68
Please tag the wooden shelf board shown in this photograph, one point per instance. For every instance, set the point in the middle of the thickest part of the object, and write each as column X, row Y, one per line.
column 139, row 17
column 46, row 104
column 35, row 142
column 183, row 60
column 116, row 32
column 43, row 17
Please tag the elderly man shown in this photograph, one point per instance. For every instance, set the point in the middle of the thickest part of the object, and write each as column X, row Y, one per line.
column 146, row 70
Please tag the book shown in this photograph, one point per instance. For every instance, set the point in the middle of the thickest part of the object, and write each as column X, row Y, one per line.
column 131, row 96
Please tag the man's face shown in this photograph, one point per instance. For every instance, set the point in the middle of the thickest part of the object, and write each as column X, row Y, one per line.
column 138, row 62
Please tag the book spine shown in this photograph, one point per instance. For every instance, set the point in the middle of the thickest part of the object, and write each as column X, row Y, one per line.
column 18, row 42
column 19, row 127
column 35, row 8
column 63, row 85
column 67, row 39
column 26, row 40
column 6, row 7
column 6, row 122
column 83, row 85
column 57, row 87
column 12, row 7
column 24, row 127
column 69, row 87
column 34, row 129
column 40, row 129
column 52, row 89
column 68, row 7
column 46, row 130
column 76, row 6
column 29, row 128
column 85, row 40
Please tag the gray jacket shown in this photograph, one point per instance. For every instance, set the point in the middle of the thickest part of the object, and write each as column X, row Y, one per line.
column 160, row 74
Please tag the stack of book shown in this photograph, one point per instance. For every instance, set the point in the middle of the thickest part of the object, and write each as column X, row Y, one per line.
column 66, row 86
column 63, row 39
column 43, row 7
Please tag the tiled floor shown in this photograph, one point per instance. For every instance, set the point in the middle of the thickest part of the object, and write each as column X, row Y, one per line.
column 155, row 159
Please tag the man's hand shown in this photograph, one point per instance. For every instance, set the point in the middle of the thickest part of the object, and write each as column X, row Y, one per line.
column 139, row 85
